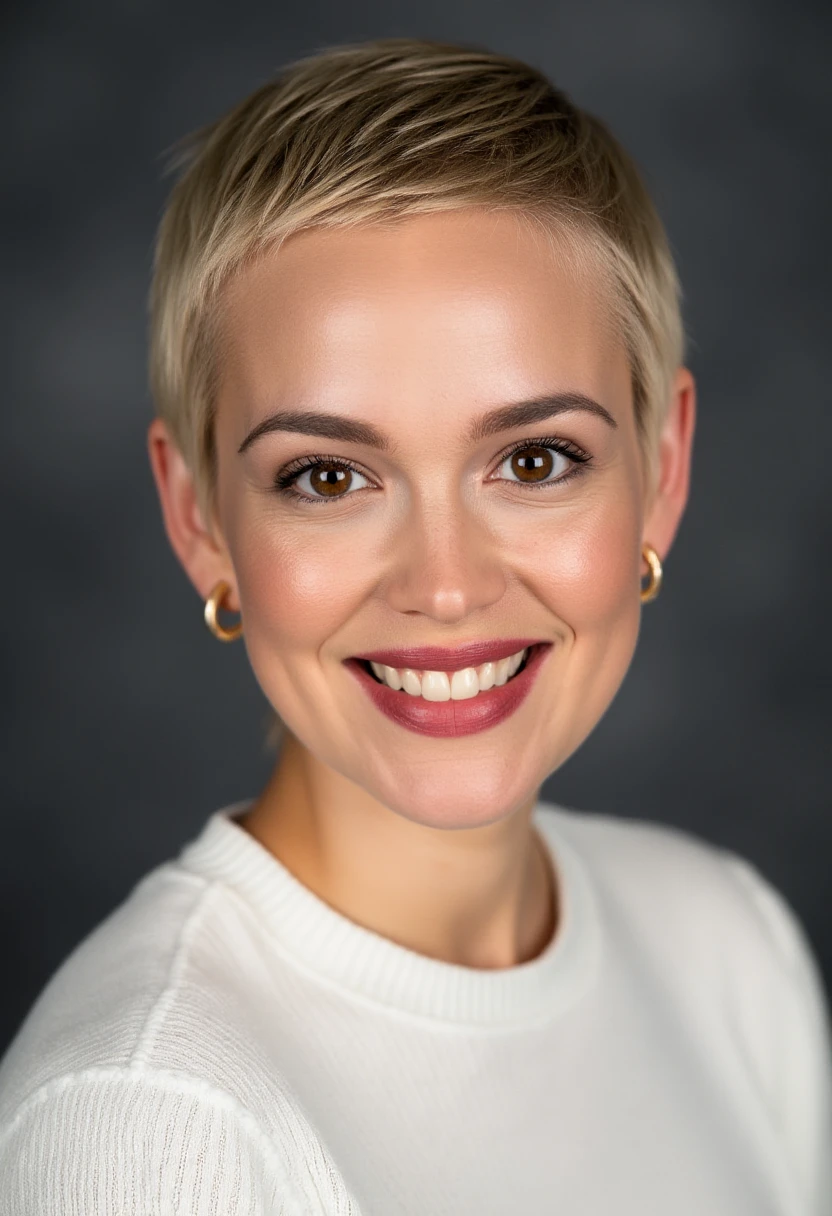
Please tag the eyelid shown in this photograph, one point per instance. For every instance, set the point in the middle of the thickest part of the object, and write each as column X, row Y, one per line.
column 286, row 477
column 566, row 447
column 290, row 472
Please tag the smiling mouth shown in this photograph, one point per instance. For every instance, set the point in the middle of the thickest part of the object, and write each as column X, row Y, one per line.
column 461, row 685
column 456, row 701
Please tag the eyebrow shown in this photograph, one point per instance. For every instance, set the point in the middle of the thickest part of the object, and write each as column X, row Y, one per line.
column 351, row 430
column 313, row 422
column 538, row 409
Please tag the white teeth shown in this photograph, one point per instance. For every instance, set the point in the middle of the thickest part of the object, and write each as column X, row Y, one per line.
column 514, row 662
column 458, row 686
column 411, row 682
column 392, row 678
column 436, row 686
column 464, row 684
column 501, row 671
column 485, row 675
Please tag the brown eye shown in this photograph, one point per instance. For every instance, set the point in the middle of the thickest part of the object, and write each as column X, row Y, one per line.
column 531, row 463
column 331, row 480
column 322, row 479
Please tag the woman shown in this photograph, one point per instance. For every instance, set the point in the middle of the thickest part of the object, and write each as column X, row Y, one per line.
column 424, row 424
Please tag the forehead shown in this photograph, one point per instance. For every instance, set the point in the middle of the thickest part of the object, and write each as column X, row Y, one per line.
column 459, row 310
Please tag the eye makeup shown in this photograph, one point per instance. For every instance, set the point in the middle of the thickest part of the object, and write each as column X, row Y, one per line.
column 341, row 472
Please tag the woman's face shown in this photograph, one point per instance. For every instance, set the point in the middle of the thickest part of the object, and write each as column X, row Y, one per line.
column 426, row 439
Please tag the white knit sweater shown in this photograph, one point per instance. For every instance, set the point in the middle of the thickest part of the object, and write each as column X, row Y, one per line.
column 225, row 1043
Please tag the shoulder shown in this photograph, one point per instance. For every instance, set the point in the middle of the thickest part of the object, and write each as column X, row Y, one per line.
column 671, row 881
column 129, row 1141
column 99, row 1005
column 726, row 946
column 116, row 1140
column 161, row 986
column 136, row 1083
column 631, row 848
column 686, row 893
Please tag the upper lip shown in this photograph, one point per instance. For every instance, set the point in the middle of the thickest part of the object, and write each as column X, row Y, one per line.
column 448, row 658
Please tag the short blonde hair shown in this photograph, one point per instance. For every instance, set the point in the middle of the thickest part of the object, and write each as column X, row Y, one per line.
column 375, row 133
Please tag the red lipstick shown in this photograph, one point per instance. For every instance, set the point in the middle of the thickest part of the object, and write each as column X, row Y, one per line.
column 451, row 718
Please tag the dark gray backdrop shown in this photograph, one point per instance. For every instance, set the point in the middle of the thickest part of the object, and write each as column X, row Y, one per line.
column 126, row 724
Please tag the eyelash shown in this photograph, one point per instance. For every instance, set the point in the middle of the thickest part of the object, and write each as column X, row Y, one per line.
column 287, row 476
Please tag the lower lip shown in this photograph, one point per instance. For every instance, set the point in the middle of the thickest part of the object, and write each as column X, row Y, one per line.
column 453, row 718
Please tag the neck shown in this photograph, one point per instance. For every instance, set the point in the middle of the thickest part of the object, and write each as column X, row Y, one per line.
column 482, row 897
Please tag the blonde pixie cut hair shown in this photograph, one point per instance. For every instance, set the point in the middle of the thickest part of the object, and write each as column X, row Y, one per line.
column 377, row 132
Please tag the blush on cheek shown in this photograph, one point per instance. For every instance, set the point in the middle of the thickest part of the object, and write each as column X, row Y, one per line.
column 589, row 583
column 587, row 573
column 598, row 572
column 297, row 593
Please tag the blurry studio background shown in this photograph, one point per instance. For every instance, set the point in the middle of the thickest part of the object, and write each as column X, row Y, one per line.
column 126, row 723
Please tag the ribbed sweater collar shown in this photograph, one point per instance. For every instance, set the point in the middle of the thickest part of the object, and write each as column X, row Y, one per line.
column 320, row 940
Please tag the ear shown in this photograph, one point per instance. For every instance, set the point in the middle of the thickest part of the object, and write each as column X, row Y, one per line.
column 669, row 497
column 201, row 551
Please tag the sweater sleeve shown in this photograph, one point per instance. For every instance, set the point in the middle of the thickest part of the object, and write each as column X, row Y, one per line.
column 799, row 1062
column 122, row 1142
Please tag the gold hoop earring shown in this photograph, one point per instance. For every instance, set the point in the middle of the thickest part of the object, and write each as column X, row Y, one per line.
column 212, row 605
column 652, row 589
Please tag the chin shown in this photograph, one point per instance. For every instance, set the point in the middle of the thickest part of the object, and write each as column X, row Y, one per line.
column 456, row 794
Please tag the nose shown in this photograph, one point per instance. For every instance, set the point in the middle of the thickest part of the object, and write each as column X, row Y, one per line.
column 446, row 565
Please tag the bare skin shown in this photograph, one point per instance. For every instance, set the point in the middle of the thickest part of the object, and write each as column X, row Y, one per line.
column 419, row 331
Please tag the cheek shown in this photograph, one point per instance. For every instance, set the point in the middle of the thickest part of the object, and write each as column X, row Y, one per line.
column 298, row 586
column 586, row 572
column 585, row 566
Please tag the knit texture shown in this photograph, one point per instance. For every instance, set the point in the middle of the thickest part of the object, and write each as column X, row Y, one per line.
column 227, row 1044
